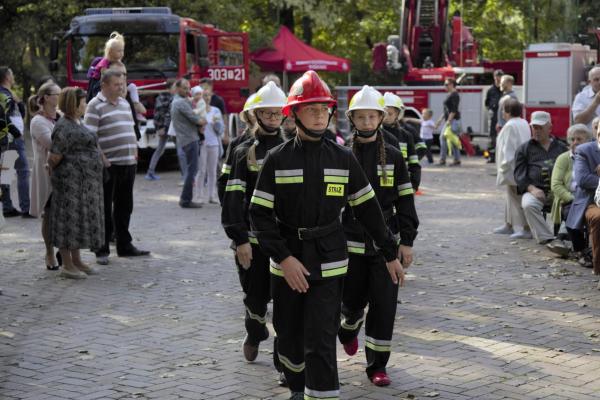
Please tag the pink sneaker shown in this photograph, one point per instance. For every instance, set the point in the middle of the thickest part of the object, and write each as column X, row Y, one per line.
column 351, row 347
column 380, row 379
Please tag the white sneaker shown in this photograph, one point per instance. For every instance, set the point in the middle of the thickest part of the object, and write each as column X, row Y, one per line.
column 521, row 235
column 504, row 230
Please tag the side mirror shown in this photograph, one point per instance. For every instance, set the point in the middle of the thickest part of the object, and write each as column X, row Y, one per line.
column 202, row 45
column 54, row 43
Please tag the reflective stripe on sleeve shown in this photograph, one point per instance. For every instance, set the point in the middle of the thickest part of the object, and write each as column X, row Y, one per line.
column 262, row 198
column 235, row 184
column 413, row 160
column 355, row 247
column 275, row 269
column 226, row 169
column 361, row 196
column 405, row 189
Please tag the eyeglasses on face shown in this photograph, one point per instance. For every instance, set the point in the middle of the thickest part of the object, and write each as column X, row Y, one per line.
column 270, row 115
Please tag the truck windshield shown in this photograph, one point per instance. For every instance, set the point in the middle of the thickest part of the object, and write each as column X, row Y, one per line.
column 146, row 56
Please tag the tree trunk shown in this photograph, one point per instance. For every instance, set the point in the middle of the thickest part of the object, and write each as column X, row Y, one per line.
column 307, row 32
column 286, row 16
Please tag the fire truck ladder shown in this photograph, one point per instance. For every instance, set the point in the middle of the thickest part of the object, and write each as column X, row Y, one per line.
column 426, row 17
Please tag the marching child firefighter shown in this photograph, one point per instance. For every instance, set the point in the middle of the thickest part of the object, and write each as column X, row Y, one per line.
column 367, row 281
column 253, row 264
column 394, row 108
column 295, row 211
column 248, row 118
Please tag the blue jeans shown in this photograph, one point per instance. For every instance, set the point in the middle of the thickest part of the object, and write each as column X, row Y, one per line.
column 22, row 168
column 191, row 168
column 158, row 152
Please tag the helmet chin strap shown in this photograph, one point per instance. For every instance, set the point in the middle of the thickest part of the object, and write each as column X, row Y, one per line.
column 313, row 133
column 364, row 134
column 265, row 128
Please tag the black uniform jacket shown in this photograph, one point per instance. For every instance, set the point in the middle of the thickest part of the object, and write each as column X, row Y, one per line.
column 406, row 145
column 226, row 169
column 394, row 193
column 305, row 184
column 240, row 185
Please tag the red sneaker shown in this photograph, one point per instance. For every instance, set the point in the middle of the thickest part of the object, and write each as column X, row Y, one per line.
column 380, row 379
column 351, row 347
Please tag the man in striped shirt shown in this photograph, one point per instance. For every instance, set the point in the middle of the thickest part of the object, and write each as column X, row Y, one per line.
column 109, row 116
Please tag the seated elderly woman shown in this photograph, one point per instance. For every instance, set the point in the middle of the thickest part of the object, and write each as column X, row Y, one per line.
column 563, row 189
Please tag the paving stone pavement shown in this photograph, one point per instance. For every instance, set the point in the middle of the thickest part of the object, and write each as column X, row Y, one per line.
column 481, row 316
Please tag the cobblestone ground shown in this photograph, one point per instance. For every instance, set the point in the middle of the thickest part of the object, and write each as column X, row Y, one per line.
column 481, row 317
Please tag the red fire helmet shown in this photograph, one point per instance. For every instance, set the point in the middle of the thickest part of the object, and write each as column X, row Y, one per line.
column 309, row 88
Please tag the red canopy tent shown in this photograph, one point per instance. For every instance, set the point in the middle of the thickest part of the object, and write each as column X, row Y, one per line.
column 290, row 54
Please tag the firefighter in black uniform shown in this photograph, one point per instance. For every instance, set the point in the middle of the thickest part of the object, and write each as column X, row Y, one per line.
column 295, row 212
column 367, row 281
column 249, row 119
column 391, row 125
column 252, row 263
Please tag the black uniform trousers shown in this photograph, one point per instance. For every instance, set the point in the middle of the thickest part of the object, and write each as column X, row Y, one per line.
column 368, row 282
column 118, row 206
column 255, row 283
column 306, row 325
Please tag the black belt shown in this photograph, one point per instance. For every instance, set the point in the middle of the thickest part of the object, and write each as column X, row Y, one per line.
column 314, row 232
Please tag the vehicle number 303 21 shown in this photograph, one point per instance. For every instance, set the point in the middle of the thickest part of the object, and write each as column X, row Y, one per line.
column 224, row 74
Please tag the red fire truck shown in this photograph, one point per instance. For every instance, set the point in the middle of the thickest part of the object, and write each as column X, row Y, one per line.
column 553, row 74
column 427, row 50
column 158, row 45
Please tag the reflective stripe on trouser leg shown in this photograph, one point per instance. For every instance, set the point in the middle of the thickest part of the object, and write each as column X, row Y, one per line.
column 321, row 313
column 354, row 298
column 289, row 327
column 379, row 325
column 257, row 294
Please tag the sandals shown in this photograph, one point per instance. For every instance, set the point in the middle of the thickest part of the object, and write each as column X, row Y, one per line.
column 55, row 267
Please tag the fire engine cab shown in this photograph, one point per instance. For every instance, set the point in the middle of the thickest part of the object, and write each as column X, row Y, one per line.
column 158, row 45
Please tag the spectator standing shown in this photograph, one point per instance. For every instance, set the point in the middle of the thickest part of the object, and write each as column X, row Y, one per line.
column 427, row 128
column 76, row 213
column 492, row 100
column 563, row 190
column 186, row 125
column 506, row 84
column 586, row 104
column 13, row 120
column 449, row 138
column 42, row 107
column 533, row 169
column 212, row 150
column 515, row 132
column 109, row 116
column 162, row 120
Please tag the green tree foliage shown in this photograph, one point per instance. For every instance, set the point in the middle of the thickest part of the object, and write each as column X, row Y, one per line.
column 347, row 28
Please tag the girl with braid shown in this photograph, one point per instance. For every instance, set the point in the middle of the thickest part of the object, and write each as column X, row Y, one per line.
column 367, row 281
column 252, row 263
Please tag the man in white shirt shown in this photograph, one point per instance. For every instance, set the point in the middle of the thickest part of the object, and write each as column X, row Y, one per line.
column 514, row 133
column 586, row 105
